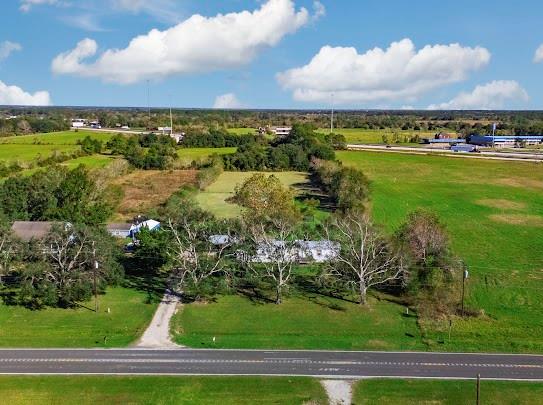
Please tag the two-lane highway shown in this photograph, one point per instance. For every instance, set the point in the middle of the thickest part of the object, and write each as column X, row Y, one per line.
column 329, row 364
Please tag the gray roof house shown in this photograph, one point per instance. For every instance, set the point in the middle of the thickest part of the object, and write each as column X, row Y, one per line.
column 28, row 230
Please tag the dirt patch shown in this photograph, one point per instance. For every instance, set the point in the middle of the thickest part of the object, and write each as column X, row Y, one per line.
column 520, row 182
column 518, row 219
column 501, row 204
column 378, row 344
column 145, row 189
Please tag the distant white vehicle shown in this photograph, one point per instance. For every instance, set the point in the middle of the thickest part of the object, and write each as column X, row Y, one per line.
column 125, row 127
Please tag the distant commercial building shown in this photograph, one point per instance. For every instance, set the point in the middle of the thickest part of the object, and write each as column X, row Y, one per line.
column 501, row 141
column 442, row 141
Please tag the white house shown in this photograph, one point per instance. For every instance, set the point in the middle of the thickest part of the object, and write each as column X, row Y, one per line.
column 119, row 230
column 318, row 251
column 79, row 123
column 150, row 224
column 281, row 131
column 299, row 251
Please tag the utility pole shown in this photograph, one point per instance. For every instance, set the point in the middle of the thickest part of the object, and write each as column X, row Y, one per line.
column 332, row 116
column 171, row 119
column 465, row 275
column 148, row 101
column 478, row 389
column 95, row 270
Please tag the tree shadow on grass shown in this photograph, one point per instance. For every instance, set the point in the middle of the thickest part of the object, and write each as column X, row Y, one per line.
column 145, row 280
column 310, row 190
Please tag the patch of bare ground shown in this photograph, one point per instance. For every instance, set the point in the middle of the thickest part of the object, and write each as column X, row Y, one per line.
column 145, row 189
column 520, row 182
column 501, row 204
column 518, row 219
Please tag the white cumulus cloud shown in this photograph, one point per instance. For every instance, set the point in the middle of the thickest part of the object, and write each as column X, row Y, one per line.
column 198, row 44
column 538, row 56
column 401, row 72
column 228, row 100
column 14, row 95
column 26, row 5
column 7, row 47
column 491, row 96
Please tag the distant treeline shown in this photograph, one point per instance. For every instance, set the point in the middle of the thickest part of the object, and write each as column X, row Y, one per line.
column 40, row 119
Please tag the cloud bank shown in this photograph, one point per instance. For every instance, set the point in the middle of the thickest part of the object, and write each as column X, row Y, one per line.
column 13, row 95
column 490, row 96
column 198, row 44
column 228, row 100
column 399, row 72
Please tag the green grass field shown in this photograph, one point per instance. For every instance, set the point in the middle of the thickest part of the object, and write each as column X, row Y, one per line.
column 301, row 322
column 494, row 213
column 214, row 197
column 29, row 152
column 56, row 138
column 188, row 155
column 80, row 327
column 160, row 390
column 361, row 136
column 91, row 162
column 242, row 131
column 445, row 392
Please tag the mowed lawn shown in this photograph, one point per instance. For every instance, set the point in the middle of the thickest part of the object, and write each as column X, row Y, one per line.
column 494, row 213
column 129, row 315
column 301, row 322
column 214, row 197
column 160, row 390
column 445, row 392
column 362, row 136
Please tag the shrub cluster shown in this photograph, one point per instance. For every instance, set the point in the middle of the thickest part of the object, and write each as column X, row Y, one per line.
column 348, row 187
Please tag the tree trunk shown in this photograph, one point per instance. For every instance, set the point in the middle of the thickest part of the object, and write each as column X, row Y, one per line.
column 278, row 295
column 362, row 289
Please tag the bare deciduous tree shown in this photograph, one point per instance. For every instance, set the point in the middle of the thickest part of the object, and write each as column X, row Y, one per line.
column 273, row 254
column 365, row 258
column 193, row 258
column 8, row 251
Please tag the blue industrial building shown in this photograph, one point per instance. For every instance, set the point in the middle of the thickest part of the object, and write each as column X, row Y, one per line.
column 505, row 140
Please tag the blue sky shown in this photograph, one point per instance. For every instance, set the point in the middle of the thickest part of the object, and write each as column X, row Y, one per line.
column 273, row 53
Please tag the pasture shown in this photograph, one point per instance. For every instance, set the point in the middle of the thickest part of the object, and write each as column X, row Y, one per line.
column 199, row 155
column 214, row 197
column 361, row 136
column 56, row 138
column 160, row 390
column 494, row 214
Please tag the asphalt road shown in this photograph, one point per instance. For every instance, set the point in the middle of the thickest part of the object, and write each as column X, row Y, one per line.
column 329, row 364
column 489, row 155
